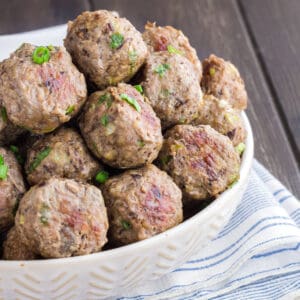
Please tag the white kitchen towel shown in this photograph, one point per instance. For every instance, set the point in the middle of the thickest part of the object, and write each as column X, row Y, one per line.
column 255, row 256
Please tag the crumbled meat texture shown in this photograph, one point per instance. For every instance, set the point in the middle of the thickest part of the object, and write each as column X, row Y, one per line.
column 160, row 38
column 116, row 132
column 11, row 189
column 90, row 41
column 172, row 88
column 62, row 218
column 222, row 79
column 40, row 97
column 222, row 117
column 201, row 161
column 141, row 203
column 68, row 158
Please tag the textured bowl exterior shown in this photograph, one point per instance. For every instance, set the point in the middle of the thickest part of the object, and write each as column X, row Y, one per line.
column 105, row 274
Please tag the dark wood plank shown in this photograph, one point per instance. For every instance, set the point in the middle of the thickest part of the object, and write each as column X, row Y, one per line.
column 19, row 15
column 275, row 26
column 217, row 27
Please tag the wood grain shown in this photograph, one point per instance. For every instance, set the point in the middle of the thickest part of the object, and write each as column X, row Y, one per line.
column 19, row 16
column 217, row 27
column 275, row 28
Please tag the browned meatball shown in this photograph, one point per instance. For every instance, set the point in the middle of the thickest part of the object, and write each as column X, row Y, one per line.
column 201, row 161
column 121, row 128
column 12, row 187
column 170, row 39
column 106, row 48
column 40, row 97
column 222, row 117
column 222, row 79
column 15, row 249
column 172, row 88
column 8, row 131
column 61, row 154
column 141, row 203
column 62, row 218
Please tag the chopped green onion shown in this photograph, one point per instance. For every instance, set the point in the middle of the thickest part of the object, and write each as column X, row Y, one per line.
column 139, row 88
column 15, row 150
column 172, row 49
column 161, row 69
column 4, row 114
column 105, row 98
column 165, row 159
column 40, row 55
column 70, row 109
column 240, row 148
column 126, row 224
column 104, row 120
column 141, row 143
column 131, row 101
column 212, row 71
column 1, row 160
column 3, row 171
column 39, row 158
column 116, row 40
column 102, row 176
column 50, row 47
column 165, row 92
column 44, row 214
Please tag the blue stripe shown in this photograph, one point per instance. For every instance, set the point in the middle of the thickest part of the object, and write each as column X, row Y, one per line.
column 278, row 192
column 241, row 238
column 277, row 251
column 295, row 213
column 284, row 198
column 233, row 252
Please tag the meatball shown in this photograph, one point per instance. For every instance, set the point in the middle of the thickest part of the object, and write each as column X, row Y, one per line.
column 61, row 154
column 15, row 249
column 12, row 187
column 121, row 128
column 222, row 117
column 201, row 161
column 62, row 218
column 106, row 48
column 170, row 39
column 172, row 88
column 222, row 79
column 40, row 97
column 8, row 131
column 141, row 203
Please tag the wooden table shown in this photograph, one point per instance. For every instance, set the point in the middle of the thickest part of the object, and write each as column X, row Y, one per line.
column 260, row 37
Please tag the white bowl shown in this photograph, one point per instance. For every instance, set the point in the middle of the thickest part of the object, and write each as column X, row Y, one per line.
column 105, row 274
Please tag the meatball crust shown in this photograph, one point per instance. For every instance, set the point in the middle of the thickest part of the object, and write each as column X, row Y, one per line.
column 40, row 97
column 11, row 189
column 222, row 79
column 141, row 203
column 123, row 135
column 222, row 117
column 68, row 158
column 172, row 88
column 201, row 161
column 62, row 218
column 170, row 39
column 15, row 249
column 106, row 48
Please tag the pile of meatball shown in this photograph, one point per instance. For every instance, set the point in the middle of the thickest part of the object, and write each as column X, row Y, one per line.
column 112, row 137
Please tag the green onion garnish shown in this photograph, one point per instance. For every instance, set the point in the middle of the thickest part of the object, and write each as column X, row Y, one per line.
column 40, row 55
column 104, row 120
column 4, row 114
column 116, row 40
column 212, row 71
column 70, row 109
column 131, row 101
column 240, row 148
column 139, row 88
column 141, row 143
column 15, row 150
column 105, row 98
column 165, row 159
column 172, row 49
column 102, row 176
column 132, row 58
column 161, row 69
column 38, row 159
column 3, row 168
column 126, row 224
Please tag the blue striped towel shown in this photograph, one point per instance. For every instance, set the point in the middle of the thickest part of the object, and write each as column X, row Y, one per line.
column 255, row 256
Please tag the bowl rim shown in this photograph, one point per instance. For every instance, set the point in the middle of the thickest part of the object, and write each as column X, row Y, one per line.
column 123, row 251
